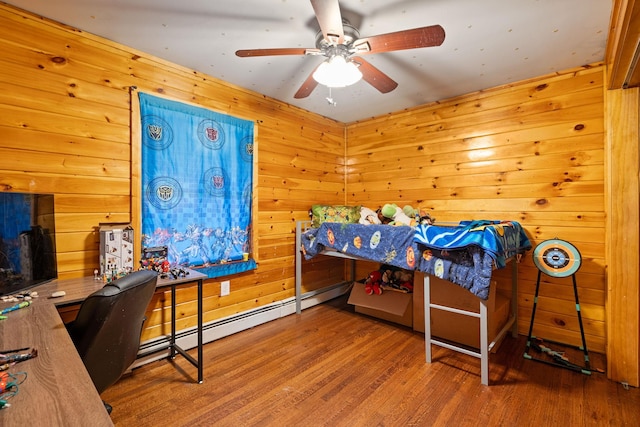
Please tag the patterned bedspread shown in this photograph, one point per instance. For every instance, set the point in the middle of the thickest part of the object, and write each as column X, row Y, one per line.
column 465, row 254
column 380, row 243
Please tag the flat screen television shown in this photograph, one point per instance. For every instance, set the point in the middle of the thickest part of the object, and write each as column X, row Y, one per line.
column 27, row 241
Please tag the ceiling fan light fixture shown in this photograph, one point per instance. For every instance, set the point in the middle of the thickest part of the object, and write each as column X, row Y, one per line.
column 337, row 71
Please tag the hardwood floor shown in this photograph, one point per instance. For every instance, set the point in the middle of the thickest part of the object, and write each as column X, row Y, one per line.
column 332, row 367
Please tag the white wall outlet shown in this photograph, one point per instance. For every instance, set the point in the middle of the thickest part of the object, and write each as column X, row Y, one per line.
column 225, row 288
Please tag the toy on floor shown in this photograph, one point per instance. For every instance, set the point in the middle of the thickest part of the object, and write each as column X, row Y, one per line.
column 389, row 278
column 373, row 282
column 560, row 358
column 397, row 279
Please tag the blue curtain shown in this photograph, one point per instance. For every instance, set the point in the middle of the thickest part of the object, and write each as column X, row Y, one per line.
column 197, row 171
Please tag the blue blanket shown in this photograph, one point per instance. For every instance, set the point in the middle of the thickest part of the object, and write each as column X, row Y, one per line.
column 500, row 239
column 467, row 254
column 471, row 268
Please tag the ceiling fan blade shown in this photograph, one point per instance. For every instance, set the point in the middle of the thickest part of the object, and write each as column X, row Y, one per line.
column 307, row 87
column 375, row 77
column 401, row 40
column 269, row 52
column 330, row 19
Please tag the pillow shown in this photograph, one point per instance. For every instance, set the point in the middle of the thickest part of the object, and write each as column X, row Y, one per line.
column 334, row 213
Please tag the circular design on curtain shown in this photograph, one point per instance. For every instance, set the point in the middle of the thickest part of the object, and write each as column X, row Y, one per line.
column 216, row 182
column 157, row 134
column 164, row 192
column 211, row 134
column 246, row 148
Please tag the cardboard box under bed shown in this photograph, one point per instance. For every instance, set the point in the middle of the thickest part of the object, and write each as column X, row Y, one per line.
column 393, row 306
column 408, row 309
column 457, row 327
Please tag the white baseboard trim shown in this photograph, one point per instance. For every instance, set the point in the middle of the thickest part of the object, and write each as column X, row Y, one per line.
column 156, row 348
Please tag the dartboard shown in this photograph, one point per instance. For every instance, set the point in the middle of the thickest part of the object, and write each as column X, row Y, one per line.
column 557, row 258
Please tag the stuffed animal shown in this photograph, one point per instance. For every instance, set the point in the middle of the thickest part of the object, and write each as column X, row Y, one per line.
column 397, row 216
column 396, row 279
column 420, row 216
column 368, row 216
column 373, row 282
column 425, row 219
column 382, row 218
column 403, row 280
column 386, row 278
column 410, row 211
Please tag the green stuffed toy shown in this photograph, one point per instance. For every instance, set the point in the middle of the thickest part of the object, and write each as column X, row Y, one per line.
column 420, row 216
column 410, row 211
column 396, row 215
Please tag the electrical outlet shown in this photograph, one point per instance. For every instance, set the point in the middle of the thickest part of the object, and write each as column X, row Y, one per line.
column 225, row 288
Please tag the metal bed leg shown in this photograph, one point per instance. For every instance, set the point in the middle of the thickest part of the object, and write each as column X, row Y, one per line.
column 200, row 358
column 298, row 268
column 484, row 344
column 172, row 341
column 427, row 317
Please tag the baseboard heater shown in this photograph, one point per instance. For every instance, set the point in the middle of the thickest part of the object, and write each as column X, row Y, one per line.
column 156, row 349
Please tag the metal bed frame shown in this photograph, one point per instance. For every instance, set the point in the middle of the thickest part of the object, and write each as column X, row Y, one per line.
column 485, row 347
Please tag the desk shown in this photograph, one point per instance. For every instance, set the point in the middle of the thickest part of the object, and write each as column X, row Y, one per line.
column 58, row 389
column 193, row 276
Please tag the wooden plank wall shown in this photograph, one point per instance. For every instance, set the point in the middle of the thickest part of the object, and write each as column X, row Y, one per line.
column 531, row 152
column 65, row 129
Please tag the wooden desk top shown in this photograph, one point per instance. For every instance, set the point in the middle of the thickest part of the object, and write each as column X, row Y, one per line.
column 191, row 276
column 78, row 289
column 58, row 389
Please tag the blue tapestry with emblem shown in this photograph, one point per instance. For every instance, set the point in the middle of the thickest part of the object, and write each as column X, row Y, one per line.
column 197, row 173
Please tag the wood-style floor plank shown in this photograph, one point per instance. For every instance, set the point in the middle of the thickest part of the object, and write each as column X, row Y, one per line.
column 330, row 366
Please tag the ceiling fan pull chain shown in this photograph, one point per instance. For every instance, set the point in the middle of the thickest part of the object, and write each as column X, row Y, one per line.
column 330, row 98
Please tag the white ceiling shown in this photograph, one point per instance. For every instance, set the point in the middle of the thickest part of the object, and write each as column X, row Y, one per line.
column 488, row 43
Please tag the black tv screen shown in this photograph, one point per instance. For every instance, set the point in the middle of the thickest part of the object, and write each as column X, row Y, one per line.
column 27, row 241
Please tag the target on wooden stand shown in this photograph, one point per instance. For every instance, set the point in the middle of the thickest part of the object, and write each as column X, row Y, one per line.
column 557, row 258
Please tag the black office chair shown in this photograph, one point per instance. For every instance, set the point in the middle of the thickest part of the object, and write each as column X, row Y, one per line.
column 107, row 330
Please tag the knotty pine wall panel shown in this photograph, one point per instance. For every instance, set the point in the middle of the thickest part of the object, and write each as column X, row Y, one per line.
column 65, row 128
column 531, row 152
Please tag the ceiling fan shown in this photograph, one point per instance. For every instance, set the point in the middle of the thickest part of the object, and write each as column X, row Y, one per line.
column 341, row 44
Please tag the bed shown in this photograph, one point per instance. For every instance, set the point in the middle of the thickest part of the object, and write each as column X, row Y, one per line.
column 464, row 253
